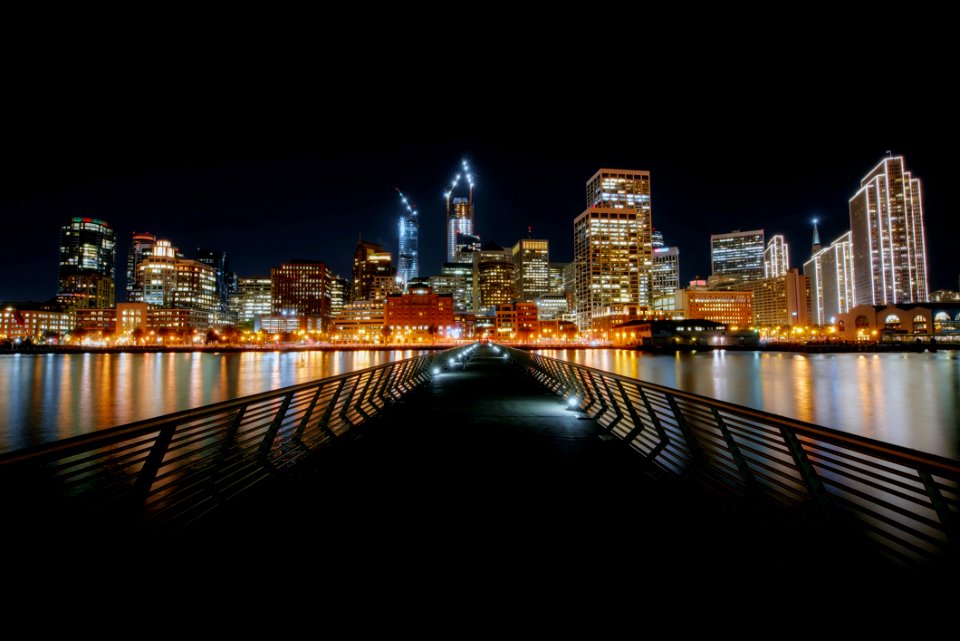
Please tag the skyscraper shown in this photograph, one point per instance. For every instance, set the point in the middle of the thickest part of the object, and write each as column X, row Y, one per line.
column 613, row 249
column 88, row 257
column 408, row 254
column 141, row 246
column 776, row 257
column 255, row 298
column 531, row 269
column 831, row 281
column 372, row 266
column 887, row 236
column 493, row 277
column 737, row 257
column 217, row 258
column 459, row 210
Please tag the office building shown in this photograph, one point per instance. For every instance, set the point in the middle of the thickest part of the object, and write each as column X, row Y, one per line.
column 832, row 289
column 613, row 249
column 492, row 277
column 408, row 248
column 736, row 258
column 256, row 298
column 531, row 269
column 459, row 210
column 302, row 288
column 372, row 268
column 887, row 237
column 88, row 257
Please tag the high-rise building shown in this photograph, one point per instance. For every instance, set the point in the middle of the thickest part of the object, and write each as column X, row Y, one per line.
column 256, row 298
column 666, row 274
column 613, row 249
column 776, row 257
column 465, row 246
column 456, row 279
column 408, row 253
column 88, row 257
column 459, row 210
column 887, row 235
column 141, row 246
column 302, row 288
column 492, row 277
column 531, row 269
column 178, row 283
column 736, row 257
column 340, row 288
column 831, row 281
column 217, row 259
column 555, row 278
column 372, row 264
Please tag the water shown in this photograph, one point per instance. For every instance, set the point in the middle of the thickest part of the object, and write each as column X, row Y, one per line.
column 908, row 399
column 46, row 397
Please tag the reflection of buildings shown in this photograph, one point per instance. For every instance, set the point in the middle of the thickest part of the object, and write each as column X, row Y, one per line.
column 887, row 236
column 88, row 257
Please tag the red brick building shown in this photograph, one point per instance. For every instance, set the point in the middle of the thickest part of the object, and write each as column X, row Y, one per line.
column 419, row 312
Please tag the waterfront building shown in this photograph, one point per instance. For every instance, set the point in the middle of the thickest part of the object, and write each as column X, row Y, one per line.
column 88, row 258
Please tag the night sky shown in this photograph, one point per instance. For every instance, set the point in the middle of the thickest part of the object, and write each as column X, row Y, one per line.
column 270, row 175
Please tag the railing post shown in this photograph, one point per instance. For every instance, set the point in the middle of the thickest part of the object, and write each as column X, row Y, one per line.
column 807, row 472
column 148, row 473
column 745, row 472
column 664, row 438
column 345, row 409
column 947, row 518
column 309, row 412
column 363, row 393
column 271, row 433
column 324, row 423
column 634, row 416
column 385, row 388
column 696, row 454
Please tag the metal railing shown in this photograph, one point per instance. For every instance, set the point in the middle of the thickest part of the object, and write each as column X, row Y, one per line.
column 907, row 502
column 169, row 471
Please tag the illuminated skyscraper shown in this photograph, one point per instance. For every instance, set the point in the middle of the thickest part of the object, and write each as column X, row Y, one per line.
column 173, row 282
column 459, row 210
column 831, row 281
column 157, row 275
column 887, row 236
column 613, row 250
column 776, row 257
column 737, row 257
column 408, row 254
column 372, row 268
column 666, row 274
column 88, row 257
column 141, row 246
column 531, row 269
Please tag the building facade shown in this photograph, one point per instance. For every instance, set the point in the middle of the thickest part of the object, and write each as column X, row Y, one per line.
column 613, row 244
column 666, row 273
column 887, row 237
column 736, row 257
column 832, row 289
column 88, row 257
column 492, row 277
column 372, row 264
column 408, row 247
column 302, row 288
column 141, row 246
column 731, row 308
column 420, row 312
column 531, row 269
column 776, row 257
column 256, row 298
column 781, row 300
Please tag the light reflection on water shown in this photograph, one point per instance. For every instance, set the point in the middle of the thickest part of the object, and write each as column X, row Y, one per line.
column 45, row 397
column 911, row 399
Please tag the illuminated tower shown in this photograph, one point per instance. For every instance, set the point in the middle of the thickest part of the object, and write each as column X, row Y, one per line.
column 612, row 244
column 373, row 272
column 776, row 257
column 459, row 210
column 886, row 225
column 408, row 255
column 88, row 257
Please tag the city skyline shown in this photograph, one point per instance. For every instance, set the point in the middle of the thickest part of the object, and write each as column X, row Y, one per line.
column 503, row 195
